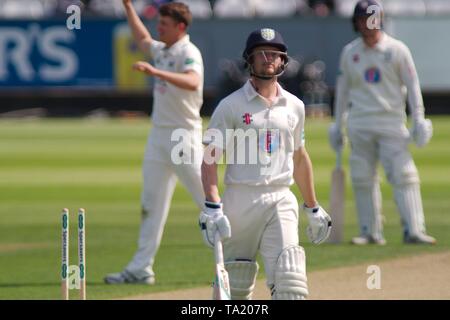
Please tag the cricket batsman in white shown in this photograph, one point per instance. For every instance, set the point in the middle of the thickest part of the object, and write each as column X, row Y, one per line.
column 376, row 72
column 178, row 97
column 258, row 212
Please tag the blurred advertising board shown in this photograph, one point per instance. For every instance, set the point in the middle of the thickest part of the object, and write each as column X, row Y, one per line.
column 48, row 54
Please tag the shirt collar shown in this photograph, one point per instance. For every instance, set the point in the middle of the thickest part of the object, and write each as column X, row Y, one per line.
column 178, row 44
column 381, row 45
column 251, row 93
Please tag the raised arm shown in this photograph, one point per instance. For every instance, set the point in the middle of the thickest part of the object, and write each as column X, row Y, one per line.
column 140, row 33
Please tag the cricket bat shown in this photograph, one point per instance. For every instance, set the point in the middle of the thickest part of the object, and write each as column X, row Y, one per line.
column 337, row 201
column 221, row 284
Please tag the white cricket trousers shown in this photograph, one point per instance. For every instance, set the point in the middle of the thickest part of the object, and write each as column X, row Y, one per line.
column 160, row 174
column 262, row 218
column 390, row 147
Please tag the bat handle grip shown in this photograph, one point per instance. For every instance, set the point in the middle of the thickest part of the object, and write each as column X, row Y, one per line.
column 218, row 248
column 339, row 158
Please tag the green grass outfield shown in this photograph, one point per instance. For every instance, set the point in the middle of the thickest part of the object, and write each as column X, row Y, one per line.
column 46, row 165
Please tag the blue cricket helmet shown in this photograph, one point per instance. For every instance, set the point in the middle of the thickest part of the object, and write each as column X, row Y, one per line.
column 361, row 10
column 264, row 37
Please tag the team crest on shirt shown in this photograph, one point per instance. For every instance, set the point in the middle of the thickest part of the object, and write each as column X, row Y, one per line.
column 247, row 118
column 372, row 75
column 356, row 58
column 268, row 34
column 269, row 140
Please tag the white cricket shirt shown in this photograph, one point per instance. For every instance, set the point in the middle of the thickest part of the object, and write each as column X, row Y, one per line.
column 274, row 133
column 172, row 106
column 372, row 84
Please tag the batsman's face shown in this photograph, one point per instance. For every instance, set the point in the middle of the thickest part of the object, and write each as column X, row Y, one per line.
column 267, row 60
column 169, row 30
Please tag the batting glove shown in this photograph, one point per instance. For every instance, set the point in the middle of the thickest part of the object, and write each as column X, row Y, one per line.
column 319, row 227
column 213, row 220
column 422, row 131
column 335, row 137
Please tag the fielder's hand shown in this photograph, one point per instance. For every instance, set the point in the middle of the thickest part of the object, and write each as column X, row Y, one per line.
column 319, row 227
column 335, row 137
column 422, row 131
column 213, row 220
column 145, row 67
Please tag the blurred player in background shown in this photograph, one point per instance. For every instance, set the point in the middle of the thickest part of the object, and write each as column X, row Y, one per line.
column 259, row 212
column 178, row 97
column 375, row 70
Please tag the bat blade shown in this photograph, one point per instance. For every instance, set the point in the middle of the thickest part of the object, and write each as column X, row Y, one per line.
column 337, row 205
column 221, row 285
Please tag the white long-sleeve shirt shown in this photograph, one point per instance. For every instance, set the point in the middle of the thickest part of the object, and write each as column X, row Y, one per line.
column 373, row 82
column 175, row 107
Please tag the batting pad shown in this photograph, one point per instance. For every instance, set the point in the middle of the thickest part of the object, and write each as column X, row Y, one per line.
column 242, row 275
column 368, row 204
column 290, row 275
column 409, row 203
